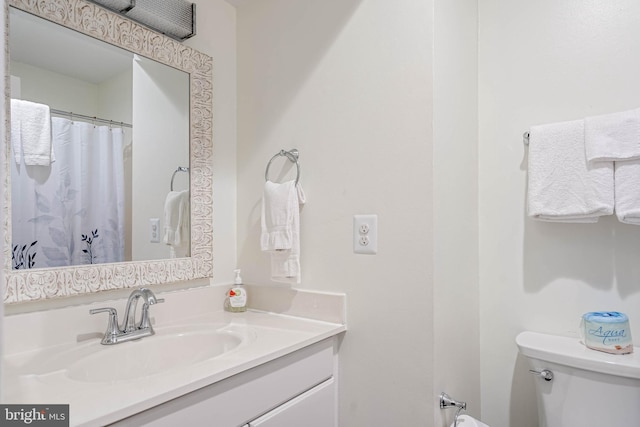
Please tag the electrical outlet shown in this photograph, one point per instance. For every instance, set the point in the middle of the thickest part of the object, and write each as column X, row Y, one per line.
column 154, row 230
column 365, row 234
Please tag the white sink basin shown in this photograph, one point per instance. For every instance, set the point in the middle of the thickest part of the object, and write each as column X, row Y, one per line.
column 168, row 349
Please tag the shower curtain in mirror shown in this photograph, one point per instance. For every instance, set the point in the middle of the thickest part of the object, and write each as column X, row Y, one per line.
column 73, row 209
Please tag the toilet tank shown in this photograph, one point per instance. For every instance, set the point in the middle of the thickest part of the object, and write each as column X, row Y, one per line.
column 589, row 387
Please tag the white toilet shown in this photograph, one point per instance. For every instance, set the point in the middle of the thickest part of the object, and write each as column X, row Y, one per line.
column 579, row 387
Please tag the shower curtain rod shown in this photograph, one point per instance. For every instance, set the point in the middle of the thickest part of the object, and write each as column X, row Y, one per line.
column 93, row 119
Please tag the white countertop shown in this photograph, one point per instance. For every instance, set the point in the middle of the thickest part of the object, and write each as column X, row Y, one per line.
column 269, row 336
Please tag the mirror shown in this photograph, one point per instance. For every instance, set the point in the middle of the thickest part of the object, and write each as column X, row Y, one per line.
column 100, row 200
column 83, row 242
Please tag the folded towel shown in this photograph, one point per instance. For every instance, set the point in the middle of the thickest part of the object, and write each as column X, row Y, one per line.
column 627, row 191
column 613, row 136
column 279, row 203
column 176, row 223
column 31, row 133
column 280, row 223
column 563, row 186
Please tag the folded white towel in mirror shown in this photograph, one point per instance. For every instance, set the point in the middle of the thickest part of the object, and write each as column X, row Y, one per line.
column 176, row 223
column 280, row 229
column 31, row 133
column 613, row 136
column 562, row 185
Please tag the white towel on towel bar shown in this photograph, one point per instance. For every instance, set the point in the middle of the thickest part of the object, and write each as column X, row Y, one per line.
column 280, row 223
column 612, row 137
column 31, row 133
column 563, row 186
column 279, row 203
column 627, row 191
column 177, row 220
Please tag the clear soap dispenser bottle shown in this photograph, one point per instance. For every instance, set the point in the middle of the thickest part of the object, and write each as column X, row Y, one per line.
column 237, row 297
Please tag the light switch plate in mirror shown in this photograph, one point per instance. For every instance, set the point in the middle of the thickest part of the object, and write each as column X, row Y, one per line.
column 100, row 23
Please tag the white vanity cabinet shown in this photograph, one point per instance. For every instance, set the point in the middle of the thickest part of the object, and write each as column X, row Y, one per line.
column 297, row 389
column 313, row 408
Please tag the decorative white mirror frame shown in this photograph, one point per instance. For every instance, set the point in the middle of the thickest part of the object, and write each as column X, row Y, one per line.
column 100, row 23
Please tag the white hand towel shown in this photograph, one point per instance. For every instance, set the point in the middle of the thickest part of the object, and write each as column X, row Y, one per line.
column 281, row 229
column 279, row 203
column 176, row 223
column 627, row 189
column 613, row 136
column 563, row 186
column 31, row 133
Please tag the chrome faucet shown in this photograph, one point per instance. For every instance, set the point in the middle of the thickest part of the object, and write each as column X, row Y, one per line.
column 129, row 330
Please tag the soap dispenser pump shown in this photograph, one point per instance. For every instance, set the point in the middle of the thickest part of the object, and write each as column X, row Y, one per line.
column 237, row 297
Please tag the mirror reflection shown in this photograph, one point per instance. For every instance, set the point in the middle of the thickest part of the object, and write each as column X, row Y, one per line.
column 99, row 151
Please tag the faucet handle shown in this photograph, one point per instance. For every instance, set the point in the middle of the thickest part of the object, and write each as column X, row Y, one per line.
column 145, row 321
column 150, row 297
column 112, row 326
column 109, row 310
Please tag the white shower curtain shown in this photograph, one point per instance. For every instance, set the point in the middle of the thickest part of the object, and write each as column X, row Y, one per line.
column 74, row 208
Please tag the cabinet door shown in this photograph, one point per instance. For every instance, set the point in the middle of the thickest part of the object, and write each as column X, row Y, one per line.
column 314, row 408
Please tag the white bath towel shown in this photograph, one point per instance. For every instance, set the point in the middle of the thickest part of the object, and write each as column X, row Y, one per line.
column 176, row 223
column 280, row 223
column 612, row 137
column 31, row 133
column 563, row 186
column 627, row 190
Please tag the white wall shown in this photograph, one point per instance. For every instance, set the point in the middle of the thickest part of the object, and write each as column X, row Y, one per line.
column 455, row 204
column 115, row 98
column 56, row 90
column 161, row 145
column 541, row 62
column 349, row 83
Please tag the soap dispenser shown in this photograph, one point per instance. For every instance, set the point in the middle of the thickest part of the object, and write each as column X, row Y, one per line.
column 237, row 297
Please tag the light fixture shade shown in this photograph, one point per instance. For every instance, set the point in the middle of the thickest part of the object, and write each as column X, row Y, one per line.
column 175, row 18
column 117, row 5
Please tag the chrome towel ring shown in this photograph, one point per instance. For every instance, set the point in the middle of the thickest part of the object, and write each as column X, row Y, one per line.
column 292, row 155
column 178, row 169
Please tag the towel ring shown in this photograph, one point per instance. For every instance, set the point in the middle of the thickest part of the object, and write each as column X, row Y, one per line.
column 292, row 155
column 179, row 169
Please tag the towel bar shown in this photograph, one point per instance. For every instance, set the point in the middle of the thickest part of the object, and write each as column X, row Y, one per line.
column 178, row 169
column 292, row 155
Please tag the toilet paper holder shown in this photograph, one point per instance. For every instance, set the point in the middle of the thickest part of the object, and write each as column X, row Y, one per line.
column 447, row 402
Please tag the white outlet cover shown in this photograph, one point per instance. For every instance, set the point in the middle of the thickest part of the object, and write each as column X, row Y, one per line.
column 154, row 230
column 365, row 234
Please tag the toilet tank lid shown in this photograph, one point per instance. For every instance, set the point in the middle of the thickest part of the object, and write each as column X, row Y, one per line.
column 570, row 351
